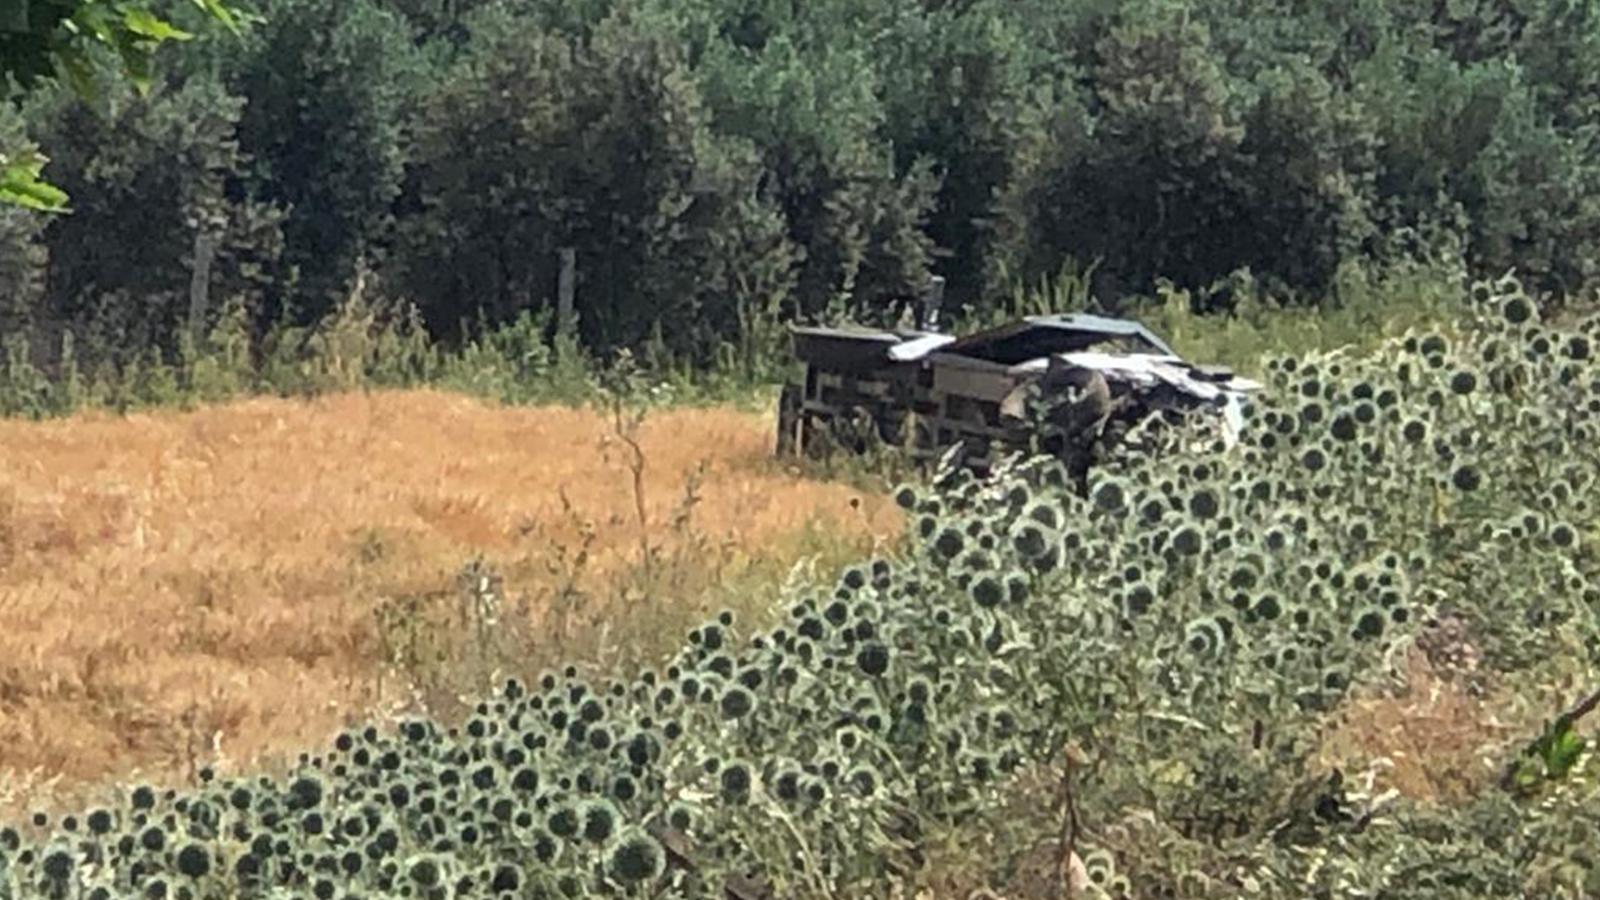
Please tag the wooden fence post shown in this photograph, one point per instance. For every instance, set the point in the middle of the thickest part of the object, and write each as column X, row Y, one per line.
column 200, row 283
column 565, row 286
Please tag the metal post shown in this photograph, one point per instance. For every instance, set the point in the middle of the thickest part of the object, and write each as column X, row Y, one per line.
column 932, row 300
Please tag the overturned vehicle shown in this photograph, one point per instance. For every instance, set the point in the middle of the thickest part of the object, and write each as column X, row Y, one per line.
column 1068, row 385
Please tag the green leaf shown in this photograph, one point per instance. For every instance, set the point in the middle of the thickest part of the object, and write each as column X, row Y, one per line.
column 1562, row 751
column 1526, row 776
column 79, row 71
column 136, row 56
column 96, row 21
column 219, row 11
column 146, row 24
column 20, row 185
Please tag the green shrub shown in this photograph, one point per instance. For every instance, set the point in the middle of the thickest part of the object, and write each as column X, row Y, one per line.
column 24, row 389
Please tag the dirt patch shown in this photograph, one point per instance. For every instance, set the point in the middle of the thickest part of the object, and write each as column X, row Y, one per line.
column 1442, row 732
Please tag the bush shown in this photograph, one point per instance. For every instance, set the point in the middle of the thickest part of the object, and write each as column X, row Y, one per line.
column 326, row 88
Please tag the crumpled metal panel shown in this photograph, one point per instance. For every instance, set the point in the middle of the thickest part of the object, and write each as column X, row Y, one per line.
column 1144, row 372
column 1094, row 329
column 1143, row 369
column 919, row 347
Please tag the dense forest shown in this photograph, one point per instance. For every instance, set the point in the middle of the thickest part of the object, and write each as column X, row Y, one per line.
column 709, row 161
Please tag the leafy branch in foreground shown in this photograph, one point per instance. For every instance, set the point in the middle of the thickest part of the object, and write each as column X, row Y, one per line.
column 21, row 185
column 44, row 39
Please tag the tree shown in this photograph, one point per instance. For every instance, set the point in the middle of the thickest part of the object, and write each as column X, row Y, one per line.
column 954, row 91
column 812, row 109
column 158, row 175
column 326, row 86
column 536, row 142
column 43, row 39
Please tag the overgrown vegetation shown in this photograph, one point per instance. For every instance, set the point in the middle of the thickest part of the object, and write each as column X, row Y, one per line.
column 1134, row 693
column 358, row 345
column 370, row 342
column 1184, row 629
column 717, row 167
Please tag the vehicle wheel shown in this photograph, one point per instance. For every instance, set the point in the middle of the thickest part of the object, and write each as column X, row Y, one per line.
column 855, row 429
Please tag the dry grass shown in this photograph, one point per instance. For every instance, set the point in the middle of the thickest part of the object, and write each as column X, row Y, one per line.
column 1437, row 737
column 202, row 585
column 1434, row 740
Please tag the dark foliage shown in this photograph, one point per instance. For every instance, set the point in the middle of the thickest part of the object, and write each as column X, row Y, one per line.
column 714, row 161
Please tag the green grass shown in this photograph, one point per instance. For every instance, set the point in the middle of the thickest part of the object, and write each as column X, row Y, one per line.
column 376, row 344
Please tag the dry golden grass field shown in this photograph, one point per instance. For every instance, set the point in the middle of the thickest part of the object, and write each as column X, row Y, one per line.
column 224, row 586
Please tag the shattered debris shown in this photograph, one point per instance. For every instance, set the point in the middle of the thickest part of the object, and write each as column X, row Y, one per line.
column 927, row 391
